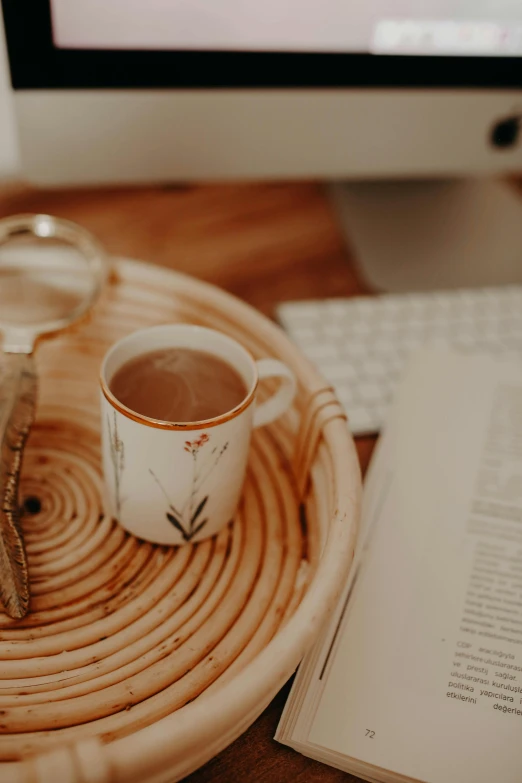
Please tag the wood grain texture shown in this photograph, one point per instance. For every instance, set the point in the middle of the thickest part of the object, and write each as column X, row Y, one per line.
column 265, row 243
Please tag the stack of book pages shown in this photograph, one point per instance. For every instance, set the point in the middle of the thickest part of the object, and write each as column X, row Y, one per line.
column 419, row 674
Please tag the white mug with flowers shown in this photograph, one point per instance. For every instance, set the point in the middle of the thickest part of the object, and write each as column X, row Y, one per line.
column 180, row 482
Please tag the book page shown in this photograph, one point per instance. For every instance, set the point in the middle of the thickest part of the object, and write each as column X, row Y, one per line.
column 425, row 677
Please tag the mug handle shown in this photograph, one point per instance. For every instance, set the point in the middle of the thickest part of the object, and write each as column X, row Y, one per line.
column 279, row 402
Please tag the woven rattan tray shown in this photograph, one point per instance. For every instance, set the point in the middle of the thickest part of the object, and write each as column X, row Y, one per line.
column 139, row 663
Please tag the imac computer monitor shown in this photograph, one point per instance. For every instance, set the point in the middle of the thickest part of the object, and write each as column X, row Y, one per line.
column 130, row 91
column 169, row 90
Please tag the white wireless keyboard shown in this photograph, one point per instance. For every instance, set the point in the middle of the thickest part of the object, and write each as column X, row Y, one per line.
column 362, row 344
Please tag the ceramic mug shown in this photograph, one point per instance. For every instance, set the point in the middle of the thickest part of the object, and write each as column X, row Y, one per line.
column 170, row 482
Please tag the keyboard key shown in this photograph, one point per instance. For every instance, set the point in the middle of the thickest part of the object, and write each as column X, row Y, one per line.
column 356, row 350
column 360, row 421
column 361, row 327
column 304, row 334
column 369, row 392
column 339, row 371
column 320, row 351
column 335, row 308
column 374, row 368
column 347, row 397
column 333, row 330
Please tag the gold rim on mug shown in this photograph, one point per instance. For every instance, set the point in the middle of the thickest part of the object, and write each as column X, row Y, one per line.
column 188, row 425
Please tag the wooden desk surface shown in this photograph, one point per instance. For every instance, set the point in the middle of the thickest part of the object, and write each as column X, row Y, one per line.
column 264, row 243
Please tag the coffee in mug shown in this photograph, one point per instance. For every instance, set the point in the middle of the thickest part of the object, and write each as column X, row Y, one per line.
column 178, row 384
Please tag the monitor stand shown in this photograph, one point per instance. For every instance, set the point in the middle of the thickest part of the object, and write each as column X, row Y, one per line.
column 422, row 235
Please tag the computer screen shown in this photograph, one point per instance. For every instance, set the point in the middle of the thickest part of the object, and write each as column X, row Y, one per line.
column 428, row 27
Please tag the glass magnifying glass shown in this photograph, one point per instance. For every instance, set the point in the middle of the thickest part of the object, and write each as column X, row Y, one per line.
column 51, row 273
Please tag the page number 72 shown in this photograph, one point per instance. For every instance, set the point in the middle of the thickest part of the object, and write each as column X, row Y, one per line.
column 370, row 733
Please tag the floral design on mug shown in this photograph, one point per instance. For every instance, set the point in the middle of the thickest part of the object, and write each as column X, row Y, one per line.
column 194, row 445
column 117, row 451
column 186, row 520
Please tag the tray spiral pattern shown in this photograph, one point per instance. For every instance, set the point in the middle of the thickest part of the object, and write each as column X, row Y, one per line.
column 123, row 635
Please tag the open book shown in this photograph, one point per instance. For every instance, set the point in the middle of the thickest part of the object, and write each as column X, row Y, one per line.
column 419, row 674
